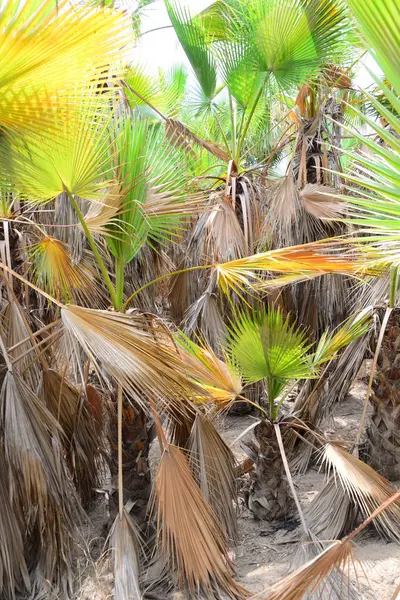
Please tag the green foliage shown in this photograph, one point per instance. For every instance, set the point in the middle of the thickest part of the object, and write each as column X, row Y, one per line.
column 153, row 174
column 265, row 345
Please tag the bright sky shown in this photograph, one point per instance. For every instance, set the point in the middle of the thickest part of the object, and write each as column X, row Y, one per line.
column 161, row 48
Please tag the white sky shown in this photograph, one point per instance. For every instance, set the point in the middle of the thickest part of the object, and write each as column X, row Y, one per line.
column 161, row 48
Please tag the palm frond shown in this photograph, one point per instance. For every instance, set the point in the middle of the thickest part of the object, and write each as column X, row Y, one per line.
column 28, row 428
column 13, row 569
column 193, row 38
column 313, row 577
column 102, row 212
column 188, row 532
column 213, row 466
column 295, row 263
column 83, row 435
column 125, row 540
column 364, row 486
column 321, row 202
column 51, row 51
column 73, row 157
column 219, row 379
column 154, row 188
column 52, row 269
column 331, row 343
column 141, row 357
column 265, row 344
column 378, row 21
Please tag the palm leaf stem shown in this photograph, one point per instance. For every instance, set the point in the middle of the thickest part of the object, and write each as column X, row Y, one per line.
column 289, row 478
column 92, row 244
column 119, row 281
column 233, row 123
column 225, row 139
column 247, row 124
column 120, row 464
column 30, row 284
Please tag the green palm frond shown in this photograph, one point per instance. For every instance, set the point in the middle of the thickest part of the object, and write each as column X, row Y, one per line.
column 265, row 345
column 378, row 21
column 331, row 343
column 288, row 41
column 153, row 176
column 193, row 38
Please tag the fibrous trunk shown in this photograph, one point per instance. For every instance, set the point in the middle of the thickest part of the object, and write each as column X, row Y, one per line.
column 269, row 497
column 384, row 430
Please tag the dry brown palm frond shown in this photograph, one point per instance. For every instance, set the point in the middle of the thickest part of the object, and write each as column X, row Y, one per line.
column 283, row 207
column 214, row 468
column 17, row 336
column 101, row 212
column 182, row 136
column 39, row 482
column 28, row 432
column 138, row 355
column 84, row 437
column 188, row 531
column 205, row 315
column 330, row 514
column 337, row 583
column 217, row 235
column 13, row 570
column 125, row 543
column 365, row 487
column 320, row 201
column 161, row 203
column 313, row 577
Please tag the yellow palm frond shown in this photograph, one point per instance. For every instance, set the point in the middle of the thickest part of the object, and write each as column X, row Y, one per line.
column 49, row 50
column 220, row 380
column 294, row 264
column 74, row 158
column 52, row 269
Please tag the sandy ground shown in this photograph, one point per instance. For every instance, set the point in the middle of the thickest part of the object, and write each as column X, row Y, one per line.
column 265, row 551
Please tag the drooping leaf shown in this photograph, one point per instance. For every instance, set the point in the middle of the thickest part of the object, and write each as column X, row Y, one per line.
column 213, row 466
column 188, row 532
column 140, row 356
column 125, row 540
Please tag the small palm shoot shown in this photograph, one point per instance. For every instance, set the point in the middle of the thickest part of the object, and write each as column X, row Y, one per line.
column 267, row 347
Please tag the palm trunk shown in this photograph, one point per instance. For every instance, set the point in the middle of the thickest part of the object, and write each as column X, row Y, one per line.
column 137, row 435
column 269, row 497
column 384, row 430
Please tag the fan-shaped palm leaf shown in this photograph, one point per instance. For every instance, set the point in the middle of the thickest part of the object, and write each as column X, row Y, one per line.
column 265, row 345
column 50, row 51
column 140, row 357
column 73, row 158
column 53, row 270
